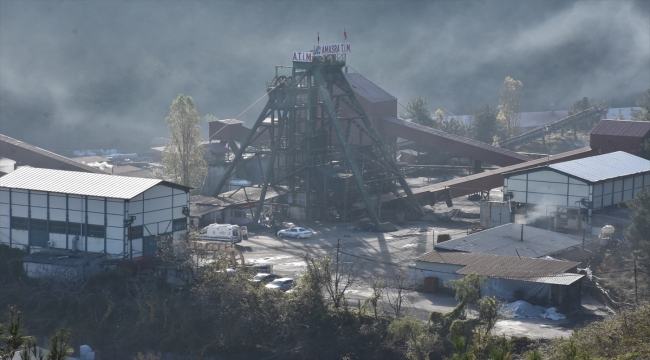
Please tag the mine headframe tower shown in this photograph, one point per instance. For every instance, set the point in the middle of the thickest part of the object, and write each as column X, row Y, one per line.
column 324, row 149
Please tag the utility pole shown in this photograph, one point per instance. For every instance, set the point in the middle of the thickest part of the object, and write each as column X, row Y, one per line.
column 636, row 289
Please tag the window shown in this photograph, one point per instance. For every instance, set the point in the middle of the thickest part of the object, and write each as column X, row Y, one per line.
column 135, row 232
column 38, row 225
column 179, row 224
column 19, row 223
column 57, row 227
column 74, row 228
column 240, row 214
column 97, row 231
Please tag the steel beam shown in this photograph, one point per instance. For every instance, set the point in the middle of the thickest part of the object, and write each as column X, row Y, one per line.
column 327, row 102
column 410, row 198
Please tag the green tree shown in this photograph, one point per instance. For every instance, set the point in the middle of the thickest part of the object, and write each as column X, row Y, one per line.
column 644, row 152
column 59, row 345
column 415, row 335
column 468, row 289
column 586, row 103
column 13, row 335
column 183, row 161
column 418, row 111
column 451, row 126
column 638, row 233
column 511, row 96
column 644, row 102
column 484, row 124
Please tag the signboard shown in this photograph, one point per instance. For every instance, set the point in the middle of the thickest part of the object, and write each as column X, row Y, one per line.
column 302, row 56
column 321, row 50
column 333, row 49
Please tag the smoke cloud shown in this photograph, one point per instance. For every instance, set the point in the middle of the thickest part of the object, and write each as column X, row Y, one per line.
column 103, row 74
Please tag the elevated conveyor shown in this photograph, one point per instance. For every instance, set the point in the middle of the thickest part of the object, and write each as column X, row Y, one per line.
column 451, row 143
column 489, row 179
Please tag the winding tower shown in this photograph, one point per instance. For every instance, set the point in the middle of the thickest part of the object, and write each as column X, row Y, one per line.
column 324, row 149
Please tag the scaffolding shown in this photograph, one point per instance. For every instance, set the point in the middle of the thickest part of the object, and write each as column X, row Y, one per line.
column 324, row 148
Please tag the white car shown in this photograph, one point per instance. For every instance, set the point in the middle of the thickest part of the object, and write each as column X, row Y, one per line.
column 295, row 232
column 283, row 284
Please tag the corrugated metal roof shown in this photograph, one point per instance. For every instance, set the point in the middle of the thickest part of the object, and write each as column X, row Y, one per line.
column 48, row 154
column 79, row 183
column 511, row 267
column 637, row 129
column 367, row 89
column 602, row 167
column 506, row 240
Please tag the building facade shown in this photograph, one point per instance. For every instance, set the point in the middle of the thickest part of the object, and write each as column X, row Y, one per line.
column 569, row 193
column 122, row 217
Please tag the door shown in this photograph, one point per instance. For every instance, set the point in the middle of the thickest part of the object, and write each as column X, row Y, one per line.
column 149, row 246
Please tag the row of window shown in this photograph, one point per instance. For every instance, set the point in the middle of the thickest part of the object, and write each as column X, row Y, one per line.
column 73, row 228
column 58, row 227
column 137, row 232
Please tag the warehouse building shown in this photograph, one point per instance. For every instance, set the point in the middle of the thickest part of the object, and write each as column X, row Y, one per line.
column 565, row 196
column 509, row 277
column 97, row 213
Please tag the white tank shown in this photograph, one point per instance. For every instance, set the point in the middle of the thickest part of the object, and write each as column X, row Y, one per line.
column 608, row 230
column 84, row 350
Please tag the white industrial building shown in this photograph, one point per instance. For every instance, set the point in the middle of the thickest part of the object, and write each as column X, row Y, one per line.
column 568, row 193
column 97, row 213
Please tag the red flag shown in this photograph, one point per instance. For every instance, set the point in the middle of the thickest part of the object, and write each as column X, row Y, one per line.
column 318, row 37
column 345, row 34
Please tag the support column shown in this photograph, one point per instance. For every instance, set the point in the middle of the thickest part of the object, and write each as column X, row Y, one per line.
column 334, row 120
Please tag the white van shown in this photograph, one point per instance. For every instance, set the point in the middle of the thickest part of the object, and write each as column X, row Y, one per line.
column 221, row 232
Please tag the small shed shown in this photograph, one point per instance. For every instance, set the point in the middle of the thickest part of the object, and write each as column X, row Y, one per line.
column 510, row 277
column 619, row 135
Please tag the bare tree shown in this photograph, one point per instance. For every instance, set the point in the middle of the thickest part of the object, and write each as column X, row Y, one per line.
column 335, row 275
column 396, row 290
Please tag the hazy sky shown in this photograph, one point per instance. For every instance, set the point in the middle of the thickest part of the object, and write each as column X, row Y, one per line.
column 100, row 74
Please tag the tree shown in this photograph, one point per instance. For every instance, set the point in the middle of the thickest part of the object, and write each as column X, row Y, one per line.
column 59, row 345
column 644, row 152
column 638, row 233
column 484, row 124
column 451, row 126
column 644, row 102
column 334, row 275
column 468, row 289
column 396, row 290
column 415, row 335
column 183, row 161
column 14, row 337
column 418, row 111
column 586, row 103
column 512, row 94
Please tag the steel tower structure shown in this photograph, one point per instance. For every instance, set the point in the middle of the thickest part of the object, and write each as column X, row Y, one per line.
column 324, row 149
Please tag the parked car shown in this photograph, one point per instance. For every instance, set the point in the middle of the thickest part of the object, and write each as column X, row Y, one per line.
column 295, row 232
column 283, row 284
column 264, row 278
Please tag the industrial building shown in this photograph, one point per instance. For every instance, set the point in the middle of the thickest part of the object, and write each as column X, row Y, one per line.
column 617, row 135
column 97, row 213
column 513, row 240
column 509, row 277
column 566, row 195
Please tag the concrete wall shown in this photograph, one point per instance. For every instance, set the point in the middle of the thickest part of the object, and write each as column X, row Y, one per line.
column 444, row 272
